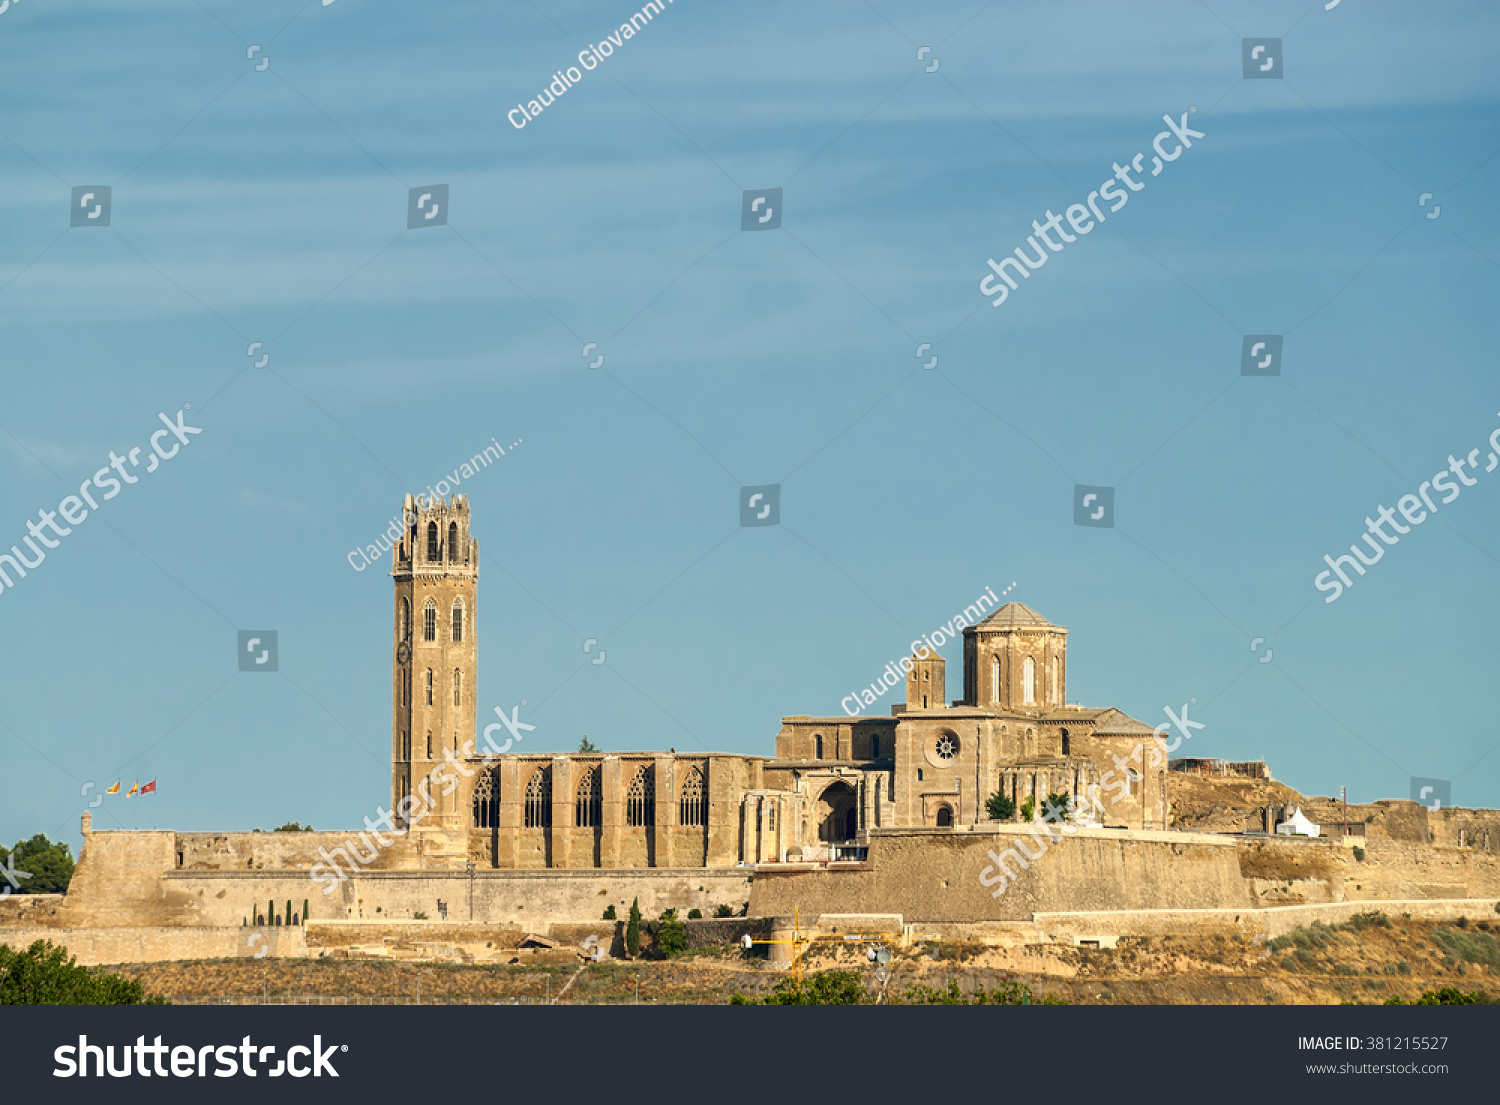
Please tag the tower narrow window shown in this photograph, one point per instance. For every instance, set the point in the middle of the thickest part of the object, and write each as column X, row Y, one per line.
column 817, row 746
column 458, row 619
column 640, row 799
column 692, row 807
column 995, row 678
column 432, row 542
column 429, row 621
column 458, row 687
column 453, row 544
column 429, row 744
column 1052, row 680
column 1028, row 681
column 429, row 688
column 589, row 803
column 876, row 753
column 539, row 799
column 405, row 627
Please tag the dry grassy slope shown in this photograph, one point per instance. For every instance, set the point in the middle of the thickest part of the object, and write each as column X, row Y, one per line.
column 1368, row 965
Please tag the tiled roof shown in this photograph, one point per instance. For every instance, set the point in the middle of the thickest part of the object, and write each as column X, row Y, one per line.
column 1118, row 723
column 1014, row 614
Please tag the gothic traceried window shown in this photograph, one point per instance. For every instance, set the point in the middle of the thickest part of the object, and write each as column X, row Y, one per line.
column 589, row 803
column 429, row 621
column 432, row 542
column 640, row 799
column 453, row 544
column 692, row 805
column 487, row 800
column 458, row 620
column 539, row 799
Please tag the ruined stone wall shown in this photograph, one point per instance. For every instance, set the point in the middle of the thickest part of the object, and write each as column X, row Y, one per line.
column 158, row 943
column 935, row 875
column 1288, row 870
column 278, row 851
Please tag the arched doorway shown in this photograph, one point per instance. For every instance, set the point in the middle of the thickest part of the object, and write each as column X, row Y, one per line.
column 838, row 814
column 945, row 816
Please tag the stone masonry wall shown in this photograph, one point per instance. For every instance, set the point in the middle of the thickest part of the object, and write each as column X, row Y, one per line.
column 934, row 876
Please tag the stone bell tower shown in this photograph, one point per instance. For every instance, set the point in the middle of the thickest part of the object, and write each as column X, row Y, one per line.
column 1016, row 660
column 434, row 642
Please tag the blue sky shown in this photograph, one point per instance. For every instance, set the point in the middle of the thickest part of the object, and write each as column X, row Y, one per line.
column 270, row 205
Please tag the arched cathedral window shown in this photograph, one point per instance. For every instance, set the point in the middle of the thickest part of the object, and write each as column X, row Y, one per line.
column 640, row 799
column 692, row 807
column 429, row 621
column 539, row 799
column 432, row 542
column 458, row 619
column 453, row 544
column 487, row 800
column 589, row 803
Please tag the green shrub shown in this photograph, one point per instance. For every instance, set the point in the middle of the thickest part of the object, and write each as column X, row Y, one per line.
column 1056, row 805
column 1001, row 807
column 822, row 988
column 1359, row 853
column 723, row 911
column 1468, row 947
column 1007, row 993
column 45, row 974
column 1448, row 995
column 695, row 915
column 1028, row 808
column 419, row 916
column 609, row 913
column 671, row 935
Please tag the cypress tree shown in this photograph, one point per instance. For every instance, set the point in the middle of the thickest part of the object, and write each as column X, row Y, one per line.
column 633, row 928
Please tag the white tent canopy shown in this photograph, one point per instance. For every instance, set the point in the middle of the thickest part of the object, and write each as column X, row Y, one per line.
column 1297, row 825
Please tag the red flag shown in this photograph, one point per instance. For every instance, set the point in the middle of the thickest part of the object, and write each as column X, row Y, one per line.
column 149, row 788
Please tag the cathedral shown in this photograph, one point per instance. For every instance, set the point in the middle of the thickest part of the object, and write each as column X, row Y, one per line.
column 831, row 783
